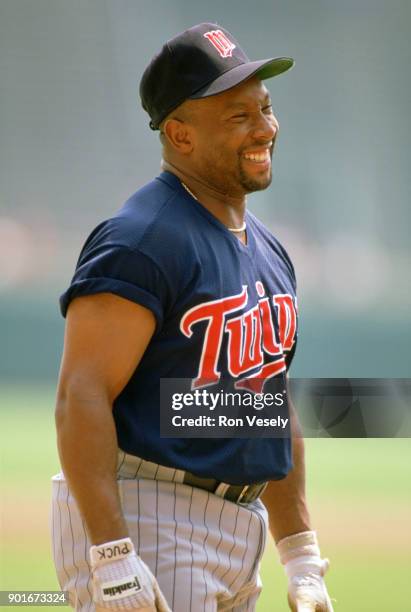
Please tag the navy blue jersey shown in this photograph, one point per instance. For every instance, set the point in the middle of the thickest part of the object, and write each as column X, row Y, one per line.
column 222, row 309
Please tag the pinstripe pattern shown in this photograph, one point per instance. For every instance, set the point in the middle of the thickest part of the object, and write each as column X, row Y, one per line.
column 175, row 547
column 220, row 538
column 85, row 556
column 157, row 531
column 138, row 517
column 233, row 545
column 204, row 550
column 230, row 586
column 129, row 466
column 72, row 546
column 53, row 539
column 61, row 549
column 192, row 548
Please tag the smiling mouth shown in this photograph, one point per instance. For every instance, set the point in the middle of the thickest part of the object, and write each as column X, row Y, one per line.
column 259, row 157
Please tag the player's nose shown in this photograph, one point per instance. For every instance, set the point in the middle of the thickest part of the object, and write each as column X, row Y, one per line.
column 265, row 127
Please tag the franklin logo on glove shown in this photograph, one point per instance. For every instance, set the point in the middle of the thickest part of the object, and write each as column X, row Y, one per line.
column 114, row 590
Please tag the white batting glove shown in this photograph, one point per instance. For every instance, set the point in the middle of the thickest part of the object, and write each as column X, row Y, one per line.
column 121, row 579
column 301, row 557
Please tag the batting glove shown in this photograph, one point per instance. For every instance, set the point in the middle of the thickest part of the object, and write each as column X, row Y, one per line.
column 301, row 557
column 121, row 579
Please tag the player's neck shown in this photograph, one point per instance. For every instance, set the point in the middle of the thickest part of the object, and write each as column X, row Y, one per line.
column 228, row 209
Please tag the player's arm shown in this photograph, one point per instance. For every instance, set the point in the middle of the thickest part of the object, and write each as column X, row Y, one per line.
column 285, row 499
column 290, row 526
column 105, row 339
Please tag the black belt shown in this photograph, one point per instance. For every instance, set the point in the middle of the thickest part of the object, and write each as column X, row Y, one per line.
column 244, row 494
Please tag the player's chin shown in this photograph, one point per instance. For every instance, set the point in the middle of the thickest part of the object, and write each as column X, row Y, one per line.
column 256, row 181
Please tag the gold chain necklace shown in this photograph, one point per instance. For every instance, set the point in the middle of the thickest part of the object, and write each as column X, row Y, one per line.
column 235, row 230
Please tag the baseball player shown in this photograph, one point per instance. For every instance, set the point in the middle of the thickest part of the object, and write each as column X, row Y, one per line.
column 183, row 282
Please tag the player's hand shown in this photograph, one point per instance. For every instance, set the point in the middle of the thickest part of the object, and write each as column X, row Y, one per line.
column 305, row 569
column 121, row 579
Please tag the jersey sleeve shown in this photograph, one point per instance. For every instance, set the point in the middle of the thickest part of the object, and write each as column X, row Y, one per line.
column 117, row 269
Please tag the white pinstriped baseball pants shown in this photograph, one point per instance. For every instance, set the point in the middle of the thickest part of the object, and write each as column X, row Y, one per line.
column 205, row 551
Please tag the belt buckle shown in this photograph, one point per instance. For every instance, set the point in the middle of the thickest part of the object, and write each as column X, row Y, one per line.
column 223, row 488
column 255, row 490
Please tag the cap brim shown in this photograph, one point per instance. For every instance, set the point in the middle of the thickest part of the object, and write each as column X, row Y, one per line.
column 264, row 69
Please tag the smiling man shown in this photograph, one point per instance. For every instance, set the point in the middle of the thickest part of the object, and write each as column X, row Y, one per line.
column 183, row 283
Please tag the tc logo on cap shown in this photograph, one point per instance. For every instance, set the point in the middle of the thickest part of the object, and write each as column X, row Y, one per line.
column 220, row 41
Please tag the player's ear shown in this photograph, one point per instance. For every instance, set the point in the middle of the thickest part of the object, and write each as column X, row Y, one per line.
column 179, row 135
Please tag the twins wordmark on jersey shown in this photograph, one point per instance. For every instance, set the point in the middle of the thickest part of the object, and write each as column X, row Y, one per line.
column 257, row 338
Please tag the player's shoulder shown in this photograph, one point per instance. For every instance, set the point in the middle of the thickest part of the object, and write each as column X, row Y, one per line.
column 266, row 237
column 154, row 223
column 152, row 211
column 158, row 215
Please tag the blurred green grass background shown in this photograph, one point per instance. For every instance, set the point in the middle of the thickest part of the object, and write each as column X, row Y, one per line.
column 359, row 492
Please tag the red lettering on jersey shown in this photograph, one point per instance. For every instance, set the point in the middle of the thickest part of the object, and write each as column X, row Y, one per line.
column 270, row 344
column 214, row 312
column 287, row 320
column 244, row 342
column 251, row 337
column 220, row 41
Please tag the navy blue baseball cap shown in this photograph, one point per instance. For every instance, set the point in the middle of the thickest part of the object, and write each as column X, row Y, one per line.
column 202, row 61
